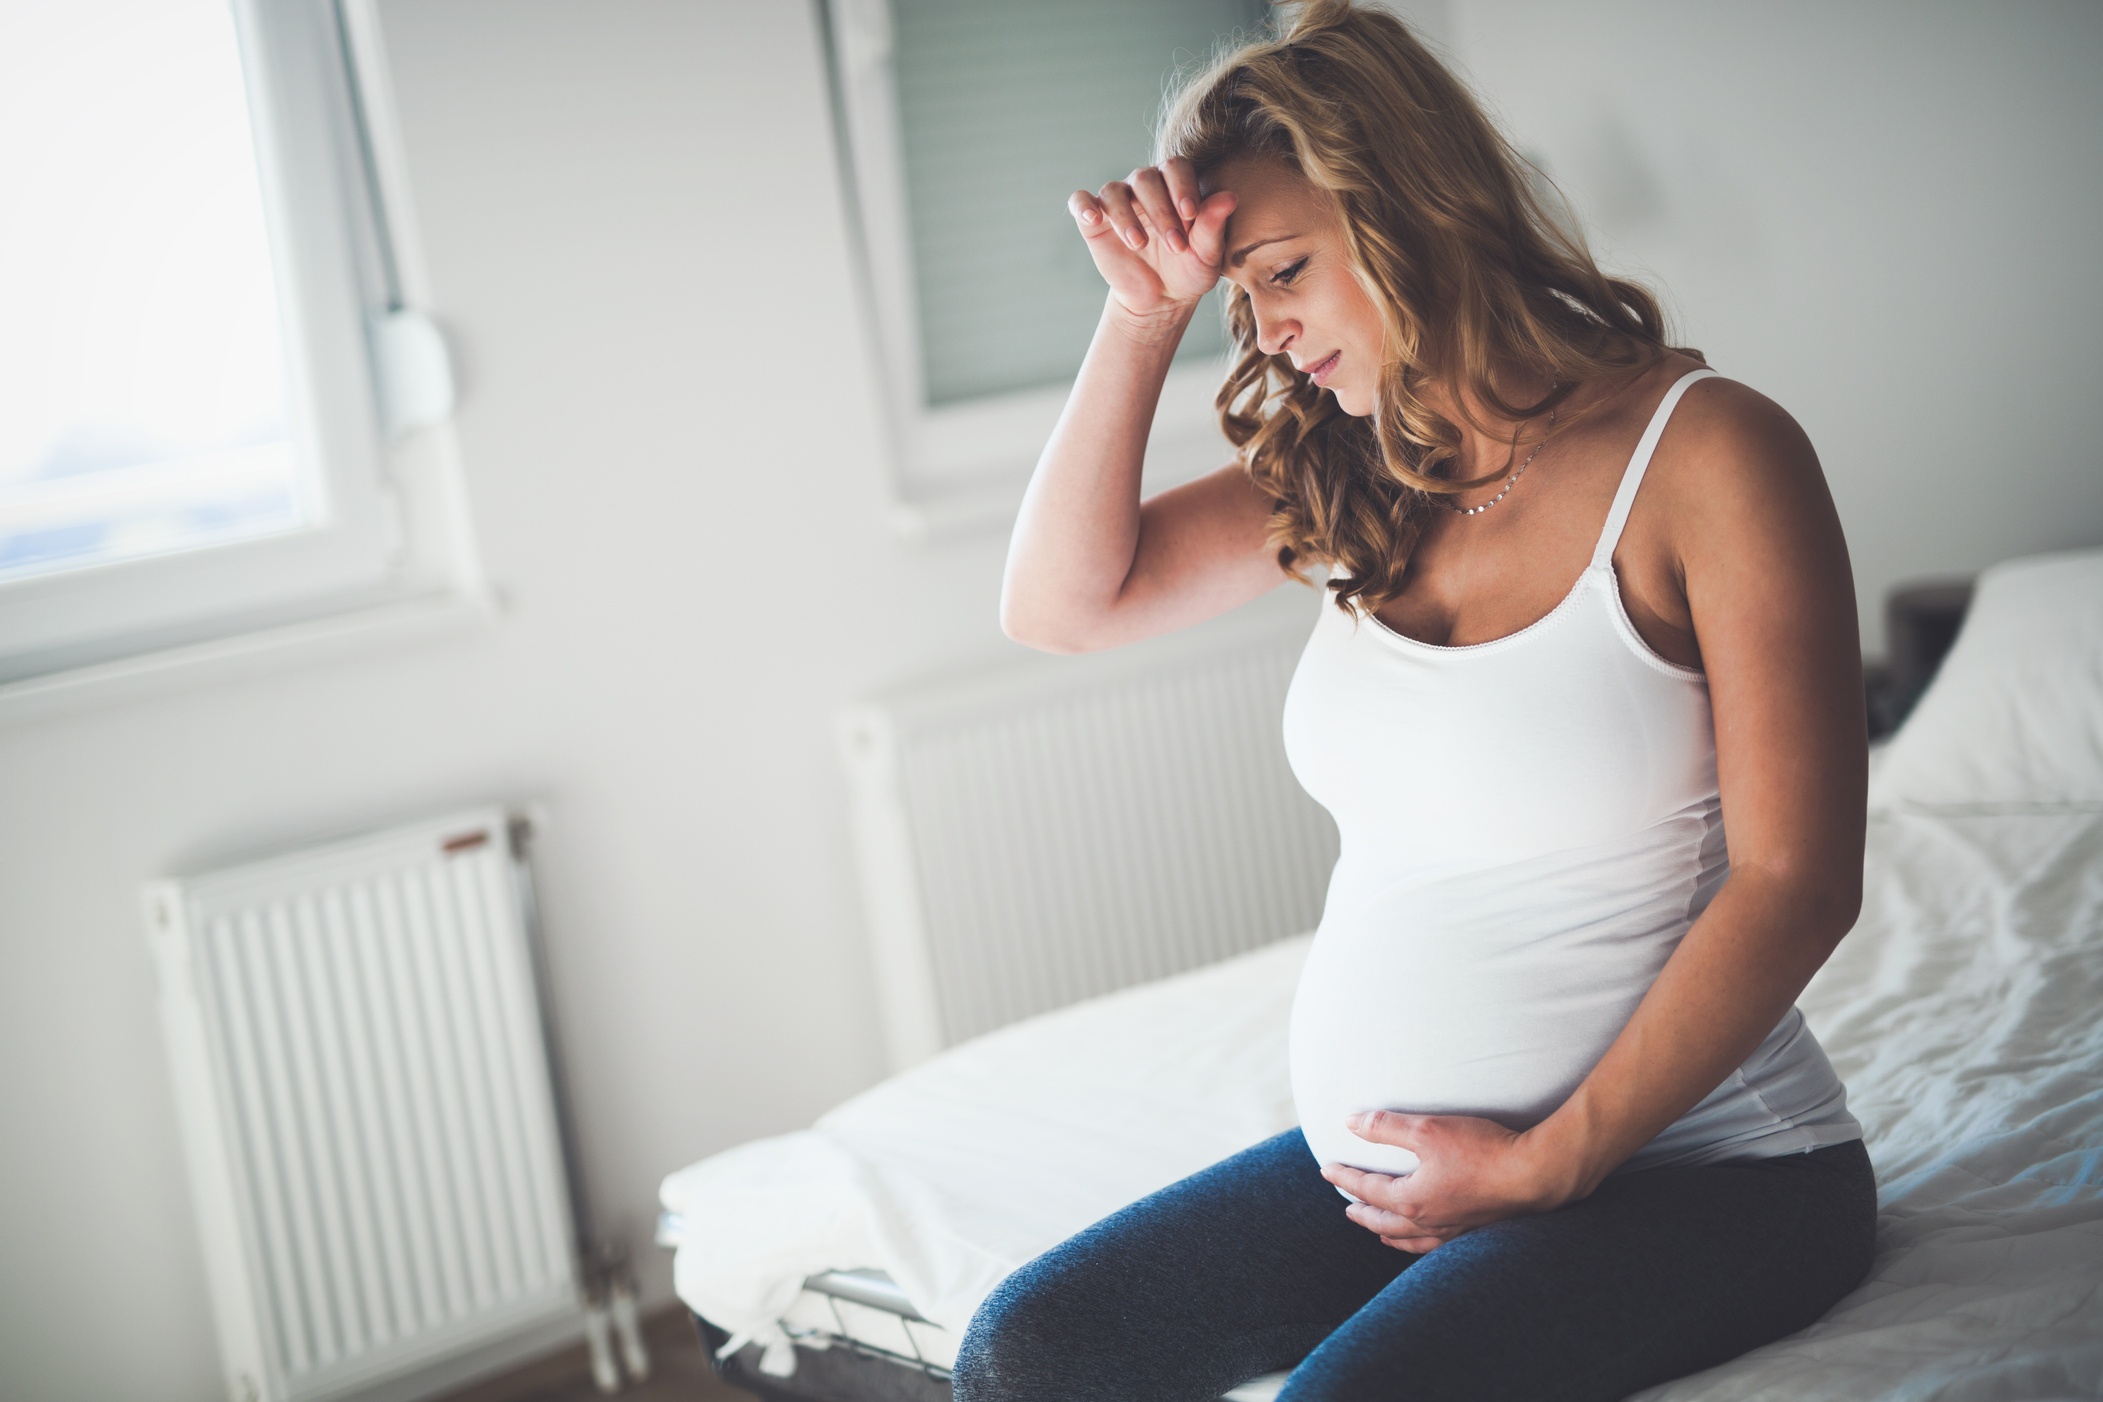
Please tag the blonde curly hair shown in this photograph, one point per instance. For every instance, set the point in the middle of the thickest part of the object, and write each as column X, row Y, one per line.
column 1445, row 230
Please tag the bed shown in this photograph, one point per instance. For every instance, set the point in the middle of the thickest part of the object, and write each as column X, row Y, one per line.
column 841, row 1263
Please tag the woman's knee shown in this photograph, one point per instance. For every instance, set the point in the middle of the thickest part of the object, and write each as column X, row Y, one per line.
column 1068, row 1326
column 1013, row 1349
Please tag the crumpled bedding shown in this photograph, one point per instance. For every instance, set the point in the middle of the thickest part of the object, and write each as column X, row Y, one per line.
column 1963, row 1012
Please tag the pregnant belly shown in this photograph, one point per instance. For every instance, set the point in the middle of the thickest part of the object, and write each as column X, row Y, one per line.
column 1461, row 999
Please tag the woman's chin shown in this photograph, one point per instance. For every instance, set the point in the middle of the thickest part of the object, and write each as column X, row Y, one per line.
column 1351, row 401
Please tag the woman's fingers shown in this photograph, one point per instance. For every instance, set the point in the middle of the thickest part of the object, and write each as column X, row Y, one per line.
column 1123, row 214
column 1386, row 1222
column 1415, row 1246
column 1181, row 177
column 1150, row 188
column 1388, row 1127
column 1400, row 1232
column 1208, row 231
column 1380, row 1221
column 1141, row 242
column 1087, row 212
column 1146, row 205
column 1380, row 1189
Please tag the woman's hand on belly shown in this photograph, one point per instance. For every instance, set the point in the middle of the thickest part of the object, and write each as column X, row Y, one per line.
column 1470, row 1172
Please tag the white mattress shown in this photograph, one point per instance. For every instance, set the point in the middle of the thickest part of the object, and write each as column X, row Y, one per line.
column 1963, row 1013
column 950, row 1176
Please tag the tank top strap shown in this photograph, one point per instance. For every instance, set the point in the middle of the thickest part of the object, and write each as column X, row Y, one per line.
column 1632, row 475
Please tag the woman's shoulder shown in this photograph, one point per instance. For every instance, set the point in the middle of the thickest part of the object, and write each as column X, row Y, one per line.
column 1729, row 456
column 1734, row 533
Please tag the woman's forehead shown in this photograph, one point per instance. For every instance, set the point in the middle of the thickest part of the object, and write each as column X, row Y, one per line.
column 1270, row 202
column 1256, row 177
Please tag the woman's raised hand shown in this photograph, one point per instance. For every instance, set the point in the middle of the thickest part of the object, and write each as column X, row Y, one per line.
column 1154, row 239
column 1091, row 565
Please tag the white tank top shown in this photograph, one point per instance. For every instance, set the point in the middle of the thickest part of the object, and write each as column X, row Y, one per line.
column 1529, row 825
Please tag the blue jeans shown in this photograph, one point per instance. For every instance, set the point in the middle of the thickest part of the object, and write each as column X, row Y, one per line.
column 1251, row 1267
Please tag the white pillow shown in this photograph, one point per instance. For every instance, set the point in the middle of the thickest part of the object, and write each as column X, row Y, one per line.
column 2015, row 715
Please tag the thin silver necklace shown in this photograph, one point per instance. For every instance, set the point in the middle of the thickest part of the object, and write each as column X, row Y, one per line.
column 1510, row 481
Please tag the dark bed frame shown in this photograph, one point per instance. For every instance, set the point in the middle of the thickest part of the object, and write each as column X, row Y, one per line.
column 1920, row 624
column 845, row 1372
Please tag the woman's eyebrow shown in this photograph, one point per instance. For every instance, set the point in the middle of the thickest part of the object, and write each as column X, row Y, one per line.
column 1234, row 260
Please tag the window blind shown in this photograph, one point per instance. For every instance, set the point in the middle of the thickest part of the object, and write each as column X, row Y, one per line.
column 1005, row 107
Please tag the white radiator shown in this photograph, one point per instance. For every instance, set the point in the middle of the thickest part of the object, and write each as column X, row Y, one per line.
column 368, row 1110
column 1068, row 826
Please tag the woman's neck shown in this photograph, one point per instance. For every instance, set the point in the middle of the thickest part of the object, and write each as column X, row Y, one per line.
column 1487, row 436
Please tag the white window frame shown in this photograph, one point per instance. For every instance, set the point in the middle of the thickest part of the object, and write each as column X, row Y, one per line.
column 956, row 469
column 368, row 388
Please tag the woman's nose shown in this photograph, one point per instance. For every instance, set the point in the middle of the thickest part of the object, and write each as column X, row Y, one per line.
column 1274, row 335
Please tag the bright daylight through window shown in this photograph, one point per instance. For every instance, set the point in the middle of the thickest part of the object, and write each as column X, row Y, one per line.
column 142, row 394
column 221, row 428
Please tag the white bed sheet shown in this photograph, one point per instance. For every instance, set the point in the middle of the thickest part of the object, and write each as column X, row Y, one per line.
column 951, row 1175
column 1963, row 1013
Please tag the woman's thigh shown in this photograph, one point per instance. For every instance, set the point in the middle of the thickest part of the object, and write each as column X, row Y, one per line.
column 1658, row 1274
column 1233, row 1272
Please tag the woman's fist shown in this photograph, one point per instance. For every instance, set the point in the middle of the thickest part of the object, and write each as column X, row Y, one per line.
column 1154, row 240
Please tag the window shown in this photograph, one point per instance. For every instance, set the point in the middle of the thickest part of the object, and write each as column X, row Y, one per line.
column 964, row 124
column 203, row 347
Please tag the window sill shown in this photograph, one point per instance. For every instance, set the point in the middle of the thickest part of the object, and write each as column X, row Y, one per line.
column 404, row 621
column 1184, row 444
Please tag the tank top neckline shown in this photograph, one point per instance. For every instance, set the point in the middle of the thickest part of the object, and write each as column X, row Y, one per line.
column 1601, row 566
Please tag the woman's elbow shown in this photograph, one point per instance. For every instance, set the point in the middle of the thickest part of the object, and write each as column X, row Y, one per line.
column 1840, row 907
column 1043, row 634
column 1827, row 903
column 1817, row 901
column 1053, row 617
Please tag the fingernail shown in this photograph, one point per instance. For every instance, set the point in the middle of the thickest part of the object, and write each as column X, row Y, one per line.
column 1135, row 238
column 1089, row 216
column 1189, row 209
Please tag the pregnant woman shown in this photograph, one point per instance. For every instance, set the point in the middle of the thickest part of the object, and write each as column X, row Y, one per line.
column 1563, row 1132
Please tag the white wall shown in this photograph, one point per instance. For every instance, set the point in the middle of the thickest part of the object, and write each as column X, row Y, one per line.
column 633, row 234
column 632, row 229
column 1883, row 215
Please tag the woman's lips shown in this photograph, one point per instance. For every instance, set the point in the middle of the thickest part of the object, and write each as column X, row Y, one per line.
column 1320, row 371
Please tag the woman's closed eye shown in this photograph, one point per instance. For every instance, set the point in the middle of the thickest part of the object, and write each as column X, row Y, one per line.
column 1286, row 275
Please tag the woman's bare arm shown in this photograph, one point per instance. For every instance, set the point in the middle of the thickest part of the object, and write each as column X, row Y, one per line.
column 1089, row 565
column 1765, row 570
